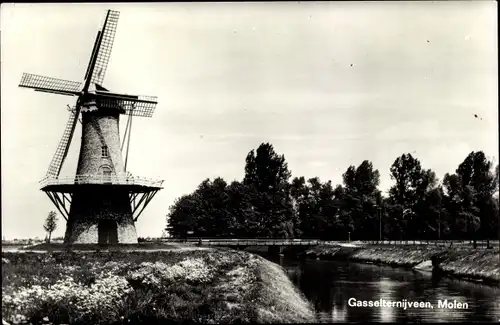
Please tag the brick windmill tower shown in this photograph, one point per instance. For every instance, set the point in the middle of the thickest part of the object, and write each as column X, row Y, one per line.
column 102, row 202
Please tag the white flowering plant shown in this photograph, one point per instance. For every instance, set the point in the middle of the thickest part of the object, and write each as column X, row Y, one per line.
column 159, row 274
column 103, row 297
column 104, row 288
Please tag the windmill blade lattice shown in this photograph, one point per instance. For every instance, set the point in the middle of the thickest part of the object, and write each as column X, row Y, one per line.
column 62, row 149
column 143, row 106
column 50, row 85
column 106, row 45
column 94, row 50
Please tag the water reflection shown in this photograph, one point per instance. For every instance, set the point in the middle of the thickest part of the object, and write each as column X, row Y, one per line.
column 329, row 285
column 385, row 287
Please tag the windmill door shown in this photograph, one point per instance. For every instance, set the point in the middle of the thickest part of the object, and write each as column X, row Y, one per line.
column 107, row 232
column 106, row 175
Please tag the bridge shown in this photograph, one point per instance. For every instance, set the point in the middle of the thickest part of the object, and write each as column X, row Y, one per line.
column 258, row 242
column 274, row 245
column 277, row 245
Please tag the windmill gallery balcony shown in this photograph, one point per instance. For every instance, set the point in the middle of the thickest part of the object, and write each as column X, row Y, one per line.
column 123, row 179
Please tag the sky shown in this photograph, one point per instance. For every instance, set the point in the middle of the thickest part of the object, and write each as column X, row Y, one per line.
column 329, row 84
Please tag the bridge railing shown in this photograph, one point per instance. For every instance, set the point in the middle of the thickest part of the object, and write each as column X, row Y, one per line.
column 479, row 243
column 291, row 242
column 247, row 242
column 459, row 243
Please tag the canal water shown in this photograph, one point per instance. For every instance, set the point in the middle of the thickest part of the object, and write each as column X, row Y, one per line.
column 329, row 285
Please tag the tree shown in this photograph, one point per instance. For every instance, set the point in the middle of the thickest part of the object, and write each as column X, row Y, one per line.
column 360, row 201
column 434, row 212
column 314, row 208
column 265, row 169
column 406, row 171
column 328, row 211
column 266, row 204
column 427, row 207
column 50, row 224
column 310, row 220
column 267, row 175
column 205, row 212
column 244, row 221
column 259, row 206
column 184, row 216
column 453, row 204
column 214, row 200
column 298, row 193
column 414, row 202
column 334, row 222
column 471, row 199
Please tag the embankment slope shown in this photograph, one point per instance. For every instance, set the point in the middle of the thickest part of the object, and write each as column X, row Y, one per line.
column 465, row 263
column 123, row 287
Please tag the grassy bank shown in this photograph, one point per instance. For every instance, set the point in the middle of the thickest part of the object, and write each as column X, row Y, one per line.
column 465, row 263
column 54, row 247
column 123, row 287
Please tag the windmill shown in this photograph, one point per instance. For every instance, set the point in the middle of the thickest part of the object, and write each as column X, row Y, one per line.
column 102, row 202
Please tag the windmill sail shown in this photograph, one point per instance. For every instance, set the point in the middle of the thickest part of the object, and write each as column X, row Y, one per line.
column 94, row 53
column 62, row 149
column 50, row 85
column 105, row 45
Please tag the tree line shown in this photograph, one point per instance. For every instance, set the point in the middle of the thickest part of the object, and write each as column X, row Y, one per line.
column 267, row 203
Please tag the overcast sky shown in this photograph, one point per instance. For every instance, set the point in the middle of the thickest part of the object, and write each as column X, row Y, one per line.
column 328, row 84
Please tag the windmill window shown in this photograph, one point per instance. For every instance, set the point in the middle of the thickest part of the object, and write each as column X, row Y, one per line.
column 105, row 152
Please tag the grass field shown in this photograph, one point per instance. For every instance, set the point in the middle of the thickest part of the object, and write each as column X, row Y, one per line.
column 123, row 287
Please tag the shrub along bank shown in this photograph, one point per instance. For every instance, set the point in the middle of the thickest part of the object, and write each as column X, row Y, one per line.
column 118, row 287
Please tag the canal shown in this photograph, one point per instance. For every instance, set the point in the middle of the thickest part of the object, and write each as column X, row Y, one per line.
column 329, row 286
